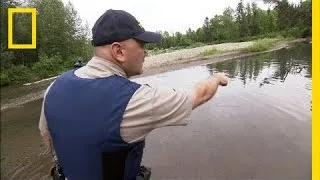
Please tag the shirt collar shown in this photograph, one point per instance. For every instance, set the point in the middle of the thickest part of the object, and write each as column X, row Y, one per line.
column 104, row 65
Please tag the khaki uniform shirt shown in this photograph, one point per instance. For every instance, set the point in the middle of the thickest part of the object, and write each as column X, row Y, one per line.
column 149, row 108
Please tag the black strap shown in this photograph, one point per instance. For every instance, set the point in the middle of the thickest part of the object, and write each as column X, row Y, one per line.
column 113, row 164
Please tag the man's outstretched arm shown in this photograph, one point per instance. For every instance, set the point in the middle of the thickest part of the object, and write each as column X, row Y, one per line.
column 153, row 107
column 205, row 90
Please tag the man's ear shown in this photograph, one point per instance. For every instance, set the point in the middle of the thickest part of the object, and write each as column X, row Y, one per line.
column 117, row 51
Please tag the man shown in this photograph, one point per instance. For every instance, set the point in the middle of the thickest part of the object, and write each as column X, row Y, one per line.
column 97, row 119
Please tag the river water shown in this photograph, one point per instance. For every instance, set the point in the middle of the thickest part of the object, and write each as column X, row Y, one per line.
column 258, row 127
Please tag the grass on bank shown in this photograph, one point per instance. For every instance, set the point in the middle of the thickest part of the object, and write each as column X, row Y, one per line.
column 209, row 52
column 261, row 45
column 156, row 51
column 257, row 46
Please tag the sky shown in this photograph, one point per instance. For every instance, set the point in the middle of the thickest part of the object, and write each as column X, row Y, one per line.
column 164, row 15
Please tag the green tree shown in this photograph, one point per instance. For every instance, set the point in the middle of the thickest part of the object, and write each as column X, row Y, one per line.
column 6, row 55
column 256, row 28
column 242, row 20
column 207, row 31
column 230, row 26
column 249, row 18
column 272, row 24
column 305, row 18
column 21, row 35
column 200, row 35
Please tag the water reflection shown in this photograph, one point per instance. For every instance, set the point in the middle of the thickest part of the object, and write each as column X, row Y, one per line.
column 272, row 67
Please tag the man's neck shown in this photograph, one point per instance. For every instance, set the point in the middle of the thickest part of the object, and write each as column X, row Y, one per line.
column 105, row 54
column 108, row 59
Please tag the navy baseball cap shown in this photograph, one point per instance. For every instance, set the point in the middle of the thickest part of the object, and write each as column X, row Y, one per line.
column 119, row 25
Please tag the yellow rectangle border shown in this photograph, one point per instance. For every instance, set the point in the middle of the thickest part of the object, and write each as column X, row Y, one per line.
column 315, row 91
column 33, row 44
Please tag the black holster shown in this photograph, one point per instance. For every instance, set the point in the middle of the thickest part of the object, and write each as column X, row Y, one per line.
column 144, row 173
column 56, row 173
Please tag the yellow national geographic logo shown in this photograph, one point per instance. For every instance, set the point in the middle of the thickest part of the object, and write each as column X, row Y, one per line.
column 33, row 44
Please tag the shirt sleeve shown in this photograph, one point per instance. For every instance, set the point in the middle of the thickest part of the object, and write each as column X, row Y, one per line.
column 43, row 127
column 155, row 107
column 43, row 121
